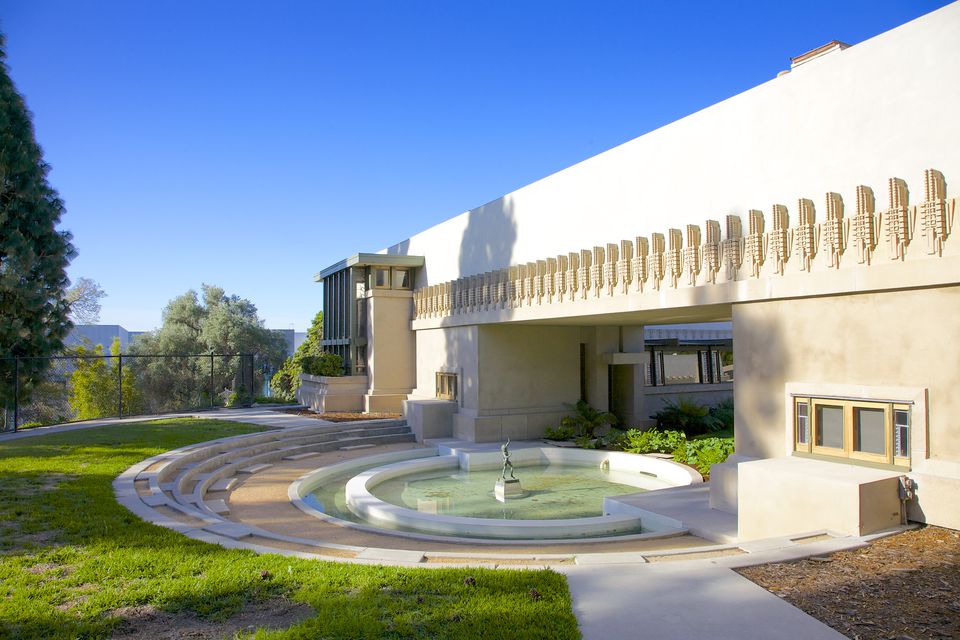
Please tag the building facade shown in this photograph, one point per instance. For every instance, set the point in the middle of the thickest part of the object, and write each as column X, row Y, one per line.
column 815, row 212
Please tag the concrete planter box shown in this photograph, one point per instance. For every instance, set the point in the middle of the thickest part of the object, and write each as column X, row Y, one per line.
column 329, row 393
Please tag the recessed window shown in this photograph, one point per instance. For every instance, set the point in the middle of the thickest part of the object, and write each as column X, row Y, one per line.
column 402, row 279
column 865, row 430
column 447, row 386
column 381, row 277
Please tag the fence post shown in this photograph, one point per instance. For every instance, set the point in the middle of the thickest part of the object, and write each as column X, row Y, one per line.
column 16, row 392
column 120, row 385
column 211, row 381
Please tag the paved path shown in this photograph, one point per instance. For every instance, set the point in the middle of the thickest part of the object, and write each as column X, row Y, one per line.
column 682, row 601
column 255, row 415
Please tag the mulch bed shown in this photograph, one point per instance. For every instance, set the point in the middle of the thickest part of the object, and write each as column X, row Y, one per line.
column 902, row 587
column 341, row 416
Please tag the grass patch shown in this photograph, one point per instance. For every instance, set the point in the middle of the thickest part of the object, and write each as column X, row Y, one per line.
column 72, row 560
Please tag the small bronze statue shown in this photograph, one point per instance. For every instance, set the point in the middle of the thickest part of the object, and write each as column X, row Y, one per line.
column 506, row 460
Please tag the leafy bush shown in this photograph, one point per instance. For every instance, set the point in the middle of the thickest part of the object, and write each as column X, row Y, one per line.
column 724, row 413
column 688, row 416
column 559, row 433
column 584, row 441
column 586, row 419
column 699, row 453
column 613, row 439
column 654, row 441
column 707, row 451
column 239, row 398
column 323, row 364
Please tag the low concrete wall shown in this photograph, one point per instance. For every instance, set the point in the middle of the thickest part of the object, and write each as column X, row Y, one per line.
column 430, row 417
column 784, row 496
column 326, row 393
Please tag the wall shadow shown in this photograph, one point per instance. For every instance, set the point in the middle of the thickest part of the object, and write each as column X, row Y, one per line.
column 489, row 238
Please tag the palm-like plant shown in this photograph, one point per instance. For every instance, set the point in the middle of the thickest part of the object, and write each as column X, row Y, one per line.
column 586, row 419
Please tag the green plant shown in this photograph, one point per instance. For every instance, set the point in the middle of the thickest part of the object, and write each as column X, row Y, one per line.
column 703, row 452
column 558, row 433
column 687, row 415
column 94, row 385
column 239, row 398
column 724, row 413
column 322, row 364
column 613, row 439
column 586, row 419
column 653, row 441
column 585, row 441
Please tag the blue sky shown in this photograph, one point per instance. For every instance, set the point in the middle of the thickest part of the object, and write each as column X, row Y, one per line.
column 251, row 144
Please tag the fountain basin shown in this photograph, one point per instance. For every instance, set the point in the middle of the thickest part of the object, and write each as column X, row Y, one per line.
column 617, row 518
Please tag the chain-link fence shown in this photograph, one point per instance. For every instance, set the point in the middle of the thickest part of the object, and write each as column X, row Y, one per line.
column 52, row 390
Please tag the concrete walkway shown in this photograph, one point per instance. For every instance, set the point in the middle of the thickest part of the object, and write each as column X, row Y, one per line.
column 623, row 595
column 261, row 416
column 682, row 601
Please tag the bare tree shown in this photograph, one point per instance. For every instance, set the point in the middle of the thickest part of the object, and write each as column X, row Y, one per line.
column 84, row 299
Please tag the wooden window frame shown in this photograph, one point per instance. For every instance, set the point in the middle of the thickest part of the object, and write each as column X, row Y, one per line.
column 447, row 386
column 849, row 407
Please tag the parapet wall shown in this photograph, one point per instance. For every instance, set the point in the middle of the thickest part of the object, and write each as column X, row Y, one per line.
column 784, row 257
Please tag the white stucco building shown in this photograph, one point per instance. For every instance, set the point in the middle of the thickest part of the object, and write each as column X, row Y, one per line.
column 815, row 212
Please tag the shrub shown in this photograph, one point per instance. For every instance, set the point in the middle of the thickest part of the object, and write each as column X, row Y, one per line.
column 239, row 398
column 724, row 413
column 613, row 439
column 559, row 433
column 654, row 441
column 324, row 364
column 688, row 416
column 584, row 441
column 586, row 419
column 707, row 451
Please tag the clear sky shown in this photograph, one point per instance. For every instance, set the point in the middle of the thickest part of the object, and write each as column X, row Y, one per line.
column 252, row 144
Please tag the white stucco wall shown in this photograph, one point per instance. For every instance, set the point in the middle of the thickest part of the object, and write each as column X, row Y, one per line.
column 880, row 109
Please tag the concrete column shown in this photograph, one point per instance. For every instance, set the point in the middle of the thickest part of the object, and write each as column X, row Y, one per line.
column 598, row 342
column 391, row 349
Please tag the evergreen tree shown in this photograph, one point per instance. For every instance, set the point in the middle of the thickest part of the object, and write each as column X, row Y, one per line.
column 33, row 254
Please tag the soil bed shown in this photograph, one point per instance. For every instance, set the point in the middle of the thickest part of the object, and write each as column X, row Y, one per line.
column 902, row 587
column 342, row 416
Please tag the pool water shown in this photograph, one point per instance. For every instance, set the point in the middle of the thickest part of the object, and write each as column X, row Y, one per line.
column 551, row 492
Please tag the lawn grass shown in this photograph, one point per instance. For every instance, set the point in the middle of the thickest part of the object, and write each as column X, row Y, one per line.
column 70, row 557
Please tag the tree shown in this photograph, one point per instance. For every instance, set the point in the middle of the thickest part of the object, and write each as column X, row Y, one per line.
column 94, row 385
column 84, row 299
column 33, row 254
column 217, row 324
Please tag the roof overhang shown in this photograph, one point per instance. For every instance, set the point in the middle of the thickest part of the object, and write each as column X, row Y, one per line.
column 370, row 259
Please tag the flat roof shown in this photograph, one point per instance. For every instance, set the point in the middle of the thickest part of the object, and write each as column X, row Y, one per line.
column 369, row 259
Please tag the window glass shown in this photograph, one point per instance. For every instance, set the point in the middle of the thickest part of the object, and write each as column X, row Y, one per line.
column 829, row 426
column 401, row 279
column 681, row 368
column 869, row 430
column 901, row 433
column 803, row 422
column 381, row 277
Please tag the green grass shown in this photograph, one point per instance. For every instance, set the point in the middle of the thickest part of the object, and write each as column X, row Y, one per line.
column 70, row 556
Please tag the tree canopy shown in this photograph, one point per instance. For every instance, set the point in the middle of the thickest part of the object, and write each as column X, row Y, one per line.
column 33, row 254
column 211, row 323
column 84, row 299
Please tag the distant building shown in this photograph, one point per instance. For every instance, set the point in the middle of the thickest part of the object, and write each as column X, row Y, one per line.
column 102, row 334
